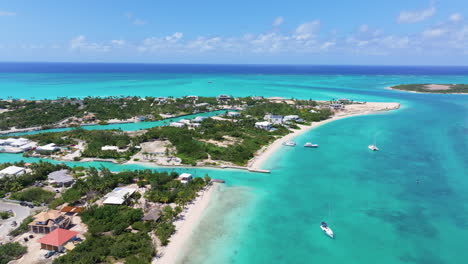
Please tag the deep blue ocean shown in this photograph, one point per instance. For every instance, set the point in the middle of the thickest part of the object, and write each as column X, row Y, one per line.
column 407, row 203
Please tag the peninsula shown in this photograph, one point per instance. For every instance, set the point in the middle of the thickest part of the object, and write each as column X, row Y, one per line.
column 432, row 88
column 242, row 136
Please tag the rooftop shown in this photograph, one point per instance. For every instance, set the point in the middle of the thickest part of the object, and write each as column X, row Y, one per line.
column 61, row 176
column 117, row 196
column 58, row 237
column 12, row 170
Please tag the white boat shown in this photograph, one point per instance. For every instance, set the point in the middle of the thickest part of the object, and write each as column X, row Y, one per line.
column 373, row 147
column 289, row 143
column 327, row 229
column 310, row 145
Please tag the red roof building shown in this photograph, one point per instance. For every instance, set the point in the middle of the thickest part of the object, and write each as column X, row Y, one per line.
column 56, row 239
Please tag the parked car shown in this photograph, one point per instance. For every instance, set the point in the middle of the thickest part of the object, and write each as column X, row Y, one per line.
column 14, row 223
column 49, row 254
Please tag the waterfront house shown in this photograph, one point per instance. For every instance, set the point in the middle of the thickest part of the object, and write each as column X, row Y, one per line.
column 114, row 148
column 291, row 118
column 192, row 97
column 56, row 239
column 119, row 195
column 177, row 124
column 46, row 222
column 199, row 119
column 202, row 104
column 185, row 178
column 184, row 121
column 49, row 148
column 233, row 114
column 223, row 98
column 152, row 215
column 343, row 101
column 257, row 98
column 274, row 119
column 337, row 107
column 263, row 125
column 12, row 171
column 60, row 178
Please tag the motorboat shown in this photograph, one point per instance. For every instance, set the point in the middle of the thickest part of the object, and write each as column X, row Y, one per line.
column 327, row 229
column 373, row 147
column 289, row 143
column 310, row 145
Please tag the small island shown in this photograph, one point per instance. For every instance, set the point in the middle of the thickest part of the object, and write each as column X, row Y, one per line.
column 432, row 88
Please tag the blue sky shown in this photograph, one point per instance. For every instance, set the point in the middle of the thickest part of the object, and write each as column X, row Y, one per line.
column 398, row 32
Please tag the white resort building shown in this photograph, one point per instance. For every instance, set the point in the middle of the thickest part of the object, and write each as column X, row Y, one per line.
column 119, row 195
column 12, row 171
column 263, row 125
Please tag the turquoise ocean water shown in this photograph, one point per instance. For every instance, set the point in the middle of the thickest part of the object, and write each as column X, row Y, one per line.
column 407, row 203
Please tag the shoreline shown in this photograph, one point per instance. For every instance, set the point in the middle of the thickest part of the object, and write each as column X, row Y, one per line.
column 264, row 154
column 394, row 89
column 185, row 226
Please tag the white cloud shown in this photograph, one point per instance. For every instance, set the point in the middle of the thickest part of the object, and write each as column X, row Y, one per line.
column 7, row 13
column 456, row 17
column 135, row 21
column 433, row 33
column 139, row 22
column 416, row 16
column 80, row 43
column 118, row 42
column 307, row 30
column 278, row 21
column 364, row 28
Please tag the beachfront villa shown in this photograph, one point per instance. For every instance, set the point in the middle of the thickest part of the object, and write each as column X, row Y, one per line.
column 202, row 104
column 46, row 222
column 343, row 101
column 233, row 114
column 177, row 124
column 12, row 171
column 263, row 125
column 49, row 148
column 274, row 119
column 337, row 107
column 192, row 97
column 223, row 98
column 112, row 148
column 16, row 145
column 291, row 118
column 119, row 195
column 185, row 178
column 60, row 178
column 56, row 240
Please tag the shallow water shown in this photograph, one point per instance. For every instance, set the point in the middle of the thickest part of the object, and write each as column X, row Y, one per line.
column 404, row 204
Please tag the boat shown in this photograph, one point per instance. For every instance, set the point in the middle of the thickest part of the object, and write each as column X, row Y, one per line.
column 373, row 147
column 289, row 143
column 327, row 229
column 310, row 145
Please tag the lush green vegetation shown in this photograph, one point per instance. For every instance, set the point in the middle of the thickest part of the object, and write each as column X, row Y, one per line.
column 5, row 215
column 110, row 218
column 35, row 195
column 22, row 228
column 48, row 112
column 11, row 251
column 454, row 88
column 39, row 173
column 132, row 247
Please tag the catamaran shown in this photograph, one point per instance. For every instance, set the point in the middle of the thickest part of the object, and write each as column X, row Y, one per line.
column 310, row 145
column 327, row 230
column 289, row 143
column 373, row 147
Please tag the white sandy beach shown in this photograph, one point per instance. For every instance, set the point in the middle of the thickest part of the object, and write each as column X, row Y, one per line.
column 185, row 227
column 350, row 110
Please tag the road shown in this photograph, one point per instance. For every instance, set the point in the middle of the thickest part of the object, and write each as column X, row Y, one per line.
column 21, row 212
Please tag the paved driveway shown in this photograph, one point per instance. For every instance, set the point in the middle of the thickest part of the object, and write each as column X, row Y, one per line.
column 21, row 212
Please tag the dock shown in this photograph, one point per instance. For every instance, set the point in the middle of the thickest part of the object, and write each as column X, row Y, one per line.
column 258, row 170
column 218, row 181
